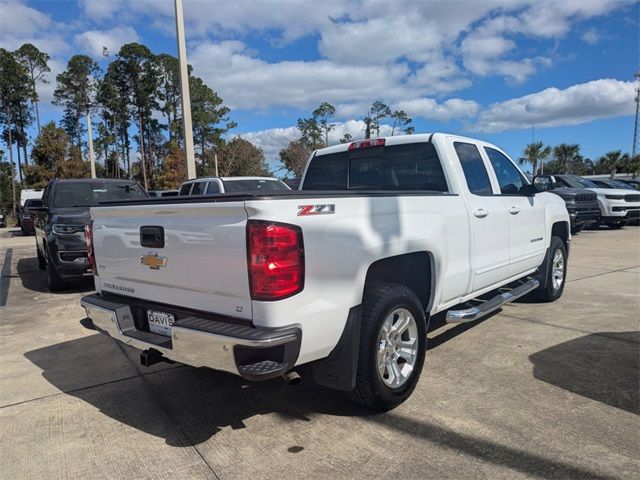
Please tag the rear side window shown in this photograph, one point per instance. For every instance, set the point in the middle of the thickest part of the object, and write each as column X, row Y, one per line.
column 473, row 167
column 412, row 166
column 213, row 187
column 327, row 172
column 198, row 188
column 509, row 177
column 184, row 190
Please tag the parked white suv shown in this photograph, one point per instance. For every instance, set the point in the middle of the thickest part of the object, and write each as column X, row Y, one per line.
column 618, row 206
column 214, row 185
column 343, row 274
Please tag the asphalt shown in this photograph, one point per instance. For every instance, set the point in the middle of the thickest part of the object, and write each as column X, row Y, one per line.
column 535, row 391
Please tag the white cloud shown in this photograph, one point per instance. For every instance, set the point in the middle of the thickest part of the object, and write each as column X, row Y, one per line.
column 591, row 36
column 19, row 20
column 98, row 10
column 92, row 41
column 245, row 81
column 272, row 140
column 454, row 108
column 483, row 54
column 20, row 24
column 552, row 107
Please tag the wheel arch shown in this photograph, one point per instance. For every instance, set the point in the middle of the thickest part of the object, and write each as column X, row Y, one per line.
column 414, row 270
column 562, row 231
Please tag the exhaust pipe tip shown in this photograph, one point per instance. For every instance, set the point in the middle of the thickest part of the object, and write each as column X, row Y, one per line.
column 292, row 378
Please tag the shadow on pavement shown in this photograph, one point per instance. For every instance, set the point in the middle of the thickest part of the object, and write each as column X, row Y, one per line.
column 601, row 366
column 33, row 278
column 187, row 406
column 530, row 463
column 200, row 400
column 438, row 321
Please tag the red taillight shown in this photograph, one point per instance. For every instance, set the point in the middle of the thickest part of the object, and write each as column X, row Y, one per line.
column 276, row 260
column 88, row 235
column 375, row 142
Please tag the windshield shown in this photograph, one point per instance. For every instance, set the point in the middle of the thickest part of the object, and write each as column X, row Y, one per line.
column 81, row 194
column 254, row 186
column 32, row 202
column 617, row 184
column 577, row 182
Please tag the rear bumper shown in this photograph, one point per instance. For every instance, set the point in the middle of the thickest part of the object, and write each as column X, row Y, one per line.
column 252, row 353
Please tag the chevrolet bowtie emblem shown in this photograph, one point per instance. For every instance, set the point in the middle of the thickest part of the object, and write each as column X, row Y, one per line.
column 153, row 261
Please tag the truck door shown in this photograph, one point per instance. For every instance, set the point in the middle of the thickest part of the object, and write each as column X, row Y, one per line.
column 525, row 217
column 489, row 222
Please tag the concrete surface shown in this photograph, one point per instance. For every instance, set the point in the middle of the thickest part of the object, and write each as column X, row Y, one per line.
column 535, row 391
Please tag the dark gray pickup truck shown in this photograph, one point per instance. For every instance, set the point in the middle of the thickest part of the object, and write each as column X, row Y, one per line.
column 582, row 205
column 62, row 219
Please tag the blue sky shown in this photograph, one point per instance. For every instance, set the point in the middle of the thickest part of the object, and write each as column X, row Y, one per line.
column 483, row 68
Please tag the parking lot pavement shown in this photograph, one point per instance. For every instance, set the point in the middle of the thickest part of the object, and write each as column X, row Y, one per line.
column 535, row 391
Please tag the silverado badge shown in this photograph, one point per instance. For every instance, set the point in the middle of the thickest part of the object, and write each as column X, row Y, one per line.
column 153, row 261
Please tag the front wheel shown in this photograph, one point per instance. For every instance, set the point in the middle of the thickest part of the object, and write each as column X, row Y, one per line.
column 54, row 281
column 392, row 347
column 556, row 272
column 42, row 263
column 576, row 229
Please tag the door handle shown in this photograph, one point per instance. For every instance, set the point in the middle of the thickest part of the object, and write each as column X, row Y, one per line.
column 514, row 210
column 481, row 213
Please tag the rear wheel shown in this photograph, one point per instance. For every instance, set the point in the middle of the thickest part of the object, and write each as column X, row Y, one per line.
column 556, row 271
column 54, row 281
column 392, row 347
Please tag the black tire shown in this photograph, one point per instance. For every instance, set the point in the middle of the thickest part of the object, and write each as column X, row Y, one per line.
column 616, row 226
column 55, row 283
column 551, row 291
column 379, row 302
column 576, row 229
column 42, row 263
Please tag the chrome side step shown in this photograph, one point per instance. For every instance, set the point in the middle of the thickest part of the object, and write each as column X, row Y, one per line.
column 475, row 313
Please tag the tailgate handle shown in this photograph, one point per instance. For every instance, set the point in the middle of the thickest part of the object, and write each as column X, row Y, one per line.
column 152, row 237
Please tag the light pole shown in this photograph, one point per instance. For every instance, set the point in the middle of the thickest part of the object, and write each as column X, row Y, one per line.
column 635, row 126
column 184, row 88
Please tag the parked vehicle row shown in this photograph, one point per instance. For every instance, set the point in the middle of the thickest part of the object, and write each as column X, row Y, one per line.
column 619, row 203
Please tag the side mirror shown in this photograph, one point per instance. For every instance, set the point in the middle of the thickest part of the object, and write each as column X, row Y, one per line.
column 544, row 183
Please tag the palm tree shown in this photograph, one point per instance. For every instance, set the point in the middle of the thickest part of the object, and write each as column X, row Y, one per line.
column 567, row 156
column 611, row 161
column 535, row 154
column 633, row 166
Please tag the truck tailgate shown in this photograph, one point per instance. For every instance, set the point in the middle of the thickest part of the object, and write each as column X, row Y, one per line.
column 202, row 265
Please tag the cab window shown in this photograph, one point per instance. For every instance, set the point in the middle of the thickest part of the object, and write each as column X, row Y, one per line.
column 474, row 169
column 185, row 189
column 198, row 188
column 509, row 177
column 213, row 187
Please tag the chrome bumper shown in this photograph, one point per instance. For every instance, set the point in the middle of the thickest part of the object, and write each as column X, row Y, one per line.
column 201, row 342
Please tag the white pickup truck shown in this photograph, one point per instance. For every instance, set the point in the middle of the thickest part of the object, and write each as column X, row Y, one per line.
column 343, row 274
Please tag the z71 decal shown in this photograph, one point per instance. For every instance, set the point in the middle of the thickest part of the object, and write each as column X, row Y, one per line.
column 328, row 209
